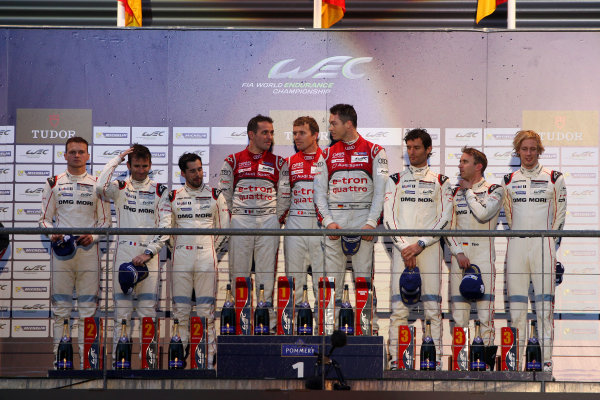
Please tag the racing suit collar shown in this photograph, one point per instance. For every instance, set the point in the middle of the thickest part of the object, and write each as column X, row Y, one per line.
column 532, row 172
column 255, row 156
column 350, row 143
column 191, row 189
column 477, row 185
column 76, row 177
column 419, row 172
column 139, row 184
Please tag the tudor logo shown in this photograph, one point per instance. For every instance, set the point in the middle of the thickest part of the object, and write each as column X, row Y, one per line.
column 54, row 120
column 325, row 68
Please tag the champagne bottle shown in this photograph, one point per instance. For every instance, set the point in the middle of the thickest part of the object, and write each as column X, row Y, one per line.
column 176, row 356
column 428, row 359
column 228, row 314
column 123, row 355
column 304, row 320
column 533, row 352
column 64, row 356
column 477, row 351
column 346, row 316
column 261, row 314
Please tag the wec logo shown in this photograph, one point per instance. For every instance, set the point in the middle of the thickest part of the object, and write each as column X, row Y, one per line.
column 326, row 68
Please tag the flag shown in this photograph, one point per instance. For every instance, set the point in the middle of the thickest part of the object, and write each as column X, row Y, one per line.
column 332, row 12
column 486, row 7
column 133, row 12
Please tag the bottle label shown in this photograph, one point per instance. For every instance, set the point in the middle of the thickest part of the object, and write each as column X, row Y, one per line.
column 305, row 330
column 348, row 330
column 428, row 365
column 477, row 365
column 228, row 330
column 261, row 330
column 123, row 364
column 175, row 364
column 533, row 366
column 64, row 364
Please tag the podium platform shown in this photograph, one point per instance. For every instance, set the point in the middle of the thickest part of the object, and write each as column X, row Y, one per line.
column 294, row 357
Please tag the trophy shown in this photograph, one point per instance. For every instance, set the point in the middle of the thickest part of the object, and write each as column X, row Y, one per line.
column 243, row 305
column 406, row 347
column 326, row 305
column 364, row 307
column 285, row 305
column 460, row 349
column 91, row 343
column 510, row 349
column 150, row 337
column 198, row 342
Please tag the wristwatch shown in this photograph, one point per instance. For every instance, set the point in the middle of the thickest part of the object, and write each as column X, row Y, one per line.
column 421, row 243
column 149, row 253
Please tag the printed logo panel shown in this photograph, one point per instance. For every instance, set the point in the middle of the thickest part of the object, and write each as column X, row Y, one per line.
column 150, row 135
column 112, row 135
column 191, row 135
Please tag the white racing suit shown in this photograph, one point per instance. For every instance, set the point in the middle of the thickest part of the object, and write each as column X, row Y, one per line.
column 475, row 209
column 535, row 199
column 137, row 205
column 195, row 259
column 302, row 251
column 257, row 190
column 417, row 198
column 71, row 201
column 349, row 188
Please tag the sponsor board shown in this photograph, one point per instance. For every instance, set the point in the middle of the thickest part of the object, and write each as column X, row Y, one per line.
column 582, row 194
column 236, row 135
column 580, row 175
column 499, row 136
column 160, row 154
column 581, row 215
column 27, row 211
column 383, row 136
column 453, row 154
column 31, row 251
column 191, row 135
column 7, row 134
column 112, row 135
column 495, row 174
column 34, row 153
column 29, row 192
column 6, row 266
column 7, row 154
column 178, row 179
column 29, row 237
column 435, row 133
column 585, row 156
column 7, row 191
column 564, row 127
column 30, row 328
column 120, row 173
column 31, row 269
column 472, row 137
column 7, row 173
column 284, row 124
column 4, row 328
column 33, row 172
column 6, row 212
column 202, row 151
column 52, row 126
column 551, row 157
column 5, row 309
column 501, row 156
column 453, row 173
column 150, row 135
column 103, row 154
column 31, row 289
column 31, row 308
column 159, row 173
column 5, row 289
column 578, row 294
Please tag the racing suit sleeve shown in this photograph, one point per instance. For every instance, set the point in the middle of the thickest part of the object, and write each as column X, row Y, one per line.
column 220, row 219
column 485, row 209
column 389, row 213
column 321, row 188
column 48, row 207
column 560, row 196
column 107, row 188
column 380, row 177
column 283, row 192
column 162, row 211
column 454, row 243
column 103, row 216
column 445, row 209
column 507, row 204
column 226, row 181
